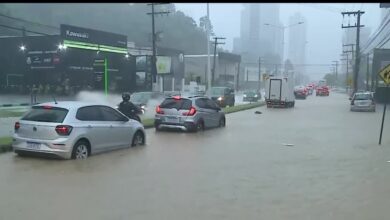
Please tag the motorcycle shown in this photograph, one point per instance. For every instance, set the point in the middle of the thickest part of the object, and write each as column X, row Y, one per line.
column 134, row 114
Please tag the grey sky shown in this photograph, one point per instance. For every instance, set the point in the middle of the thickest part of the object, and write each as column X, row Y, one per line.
column 324, row 32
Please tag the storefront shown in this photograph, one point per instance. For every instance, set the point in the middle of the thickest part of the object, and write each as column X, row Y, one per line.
column 78, row 58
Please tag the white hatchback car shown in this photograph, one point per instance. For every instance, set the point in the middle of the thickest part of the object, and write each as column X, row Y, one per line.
column 363, row 101
column 74, row 129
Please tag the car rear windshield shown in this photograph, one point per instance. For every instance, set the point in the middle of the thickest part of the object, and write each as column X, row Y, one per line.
column 363, row 97
column 178, row 104
column 46, row 114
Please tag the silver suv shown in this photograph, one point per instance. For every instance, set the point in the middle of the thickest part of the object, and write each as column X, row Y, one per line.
column 189, row 114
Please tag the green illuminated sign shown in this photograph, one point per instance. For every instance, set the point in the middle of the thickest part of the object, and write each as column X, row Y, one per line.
column 89, row 46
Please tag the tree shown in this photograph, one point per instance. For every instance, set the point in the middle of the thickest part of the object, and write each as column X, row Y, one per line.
column 203, row 22
column 330, row 79
column 180, row 31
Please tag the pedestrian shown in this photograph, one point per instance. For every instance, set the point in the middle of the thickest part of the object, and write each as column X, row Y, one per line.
column 34, row 92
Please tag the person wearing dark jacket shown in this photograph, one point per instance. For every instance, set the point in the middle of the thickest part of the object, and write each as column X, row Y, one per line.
column 128, row 108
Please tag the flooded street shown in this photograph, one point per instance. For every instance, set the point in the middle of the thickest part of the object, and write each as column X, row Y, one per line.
column 315, row 161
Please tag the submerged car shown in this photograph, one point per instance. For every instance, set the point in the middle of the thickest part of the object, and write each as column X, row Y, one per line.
column 251, row 96
column 363, row 101
column 74, row 130
column 223, row 96
column 301, row 92
column 322, row 91
column 189, row 114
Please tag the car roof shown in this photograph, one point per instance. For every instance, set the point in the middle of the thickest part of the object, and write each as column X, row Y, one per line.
column 71, row 104
column 363, row 93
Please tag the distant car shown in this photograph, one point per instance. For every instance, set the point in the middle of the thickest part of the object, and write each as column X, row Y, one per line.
column 322, row 91
column 142, row 99
column 74, row 130
column 363, row 101
column 189, row 114
column 223, row 96
column 310, row 89
column 251, row 96
column 300, row 92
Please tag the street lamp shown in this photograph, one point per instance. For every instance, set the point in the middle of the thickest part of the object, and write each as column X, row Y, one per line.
column 283, row 28
column 22, row 48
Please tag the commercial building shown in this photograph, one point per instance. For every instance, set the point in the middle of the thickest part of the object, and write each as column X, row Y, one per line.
column 82, row 58
column 226, row 69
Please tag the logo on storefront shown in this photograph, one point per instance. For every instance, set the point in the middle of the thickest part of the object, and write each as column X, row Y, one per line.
column 76, row 34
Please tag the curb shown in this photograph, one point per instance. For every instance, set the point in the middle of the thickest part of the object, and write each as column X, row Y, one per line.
column 5, row 148
column 11, row 105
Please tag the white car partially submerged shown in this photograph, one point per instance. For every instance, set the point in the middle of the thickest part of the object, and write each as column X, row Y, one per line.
column 73, row 129
column 363, row 101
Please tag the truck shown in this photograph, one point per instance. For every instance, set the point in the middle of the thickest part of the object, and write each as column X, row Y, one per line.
column 279, row 92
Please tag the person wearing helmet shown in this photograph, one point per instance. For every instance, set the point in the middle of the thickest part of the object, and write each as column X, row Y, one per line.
column 128, row 108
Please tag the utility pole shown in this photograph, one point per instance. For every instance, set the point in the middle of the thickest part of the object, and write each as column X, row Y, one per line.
column 368, row 73
column 337, row 64
column 208, row 48
column 154, row 60
column 347, row 73
column 215, row 54
column 357, row 57
column 352, row 57
column 259, row 73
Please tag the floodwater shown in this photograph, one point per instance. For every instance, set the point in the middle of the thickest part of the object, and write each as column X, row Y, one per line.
column 315, row 161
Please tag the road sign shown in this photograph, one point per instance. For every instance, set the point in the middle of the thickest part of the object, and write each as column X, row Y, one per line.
column 265, row 76
column 385, row 74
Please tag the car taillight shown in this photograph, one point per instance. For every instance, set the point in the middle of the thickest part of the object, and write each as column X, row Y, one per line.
column 191, row 112
column 17, row 126
column 63, row 129
column 158, row 110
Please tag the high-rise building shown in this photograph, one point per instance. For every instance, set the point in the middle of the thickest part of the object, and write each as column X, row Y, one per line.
column 257, row 39
column 297, row 42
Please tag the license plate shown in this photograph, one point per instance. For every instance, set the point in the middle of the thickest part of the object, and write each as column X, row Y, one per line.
column 33, row 145
column 172, row 120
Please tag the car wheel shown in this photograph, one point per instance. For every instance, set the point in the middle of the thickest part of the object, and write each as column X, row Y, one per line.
column 21, row 154
column 80, row 150
column 199, row 126
column 222, row 122
column 138, row 139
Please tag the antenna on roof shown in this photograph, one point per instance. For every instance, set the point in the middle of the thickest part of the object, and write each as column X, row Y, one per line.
column 55, row 102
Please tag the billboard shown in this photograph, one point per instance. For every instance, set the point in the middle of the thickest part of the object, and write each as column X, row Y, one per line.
column 163, row 64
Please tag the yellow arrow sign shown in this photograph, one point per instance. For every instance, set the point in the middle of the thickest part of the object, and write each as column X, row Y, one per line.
column 385, row 74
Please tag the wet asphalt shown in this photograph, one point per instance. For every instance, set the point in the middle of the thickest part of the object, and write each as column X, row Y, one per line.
column 315, row 161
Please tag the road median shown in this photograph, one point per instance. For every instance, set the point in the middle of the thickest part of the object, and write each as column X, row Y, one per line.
column 5, row 142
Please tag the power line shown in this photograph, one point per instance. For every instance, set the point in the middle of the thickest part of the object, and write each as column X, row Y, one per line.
column 31, row 22
column 22, row 29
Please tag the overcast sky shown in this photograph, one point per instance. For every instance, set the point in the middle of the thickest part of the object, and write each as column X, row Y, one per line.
column 324, row 32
